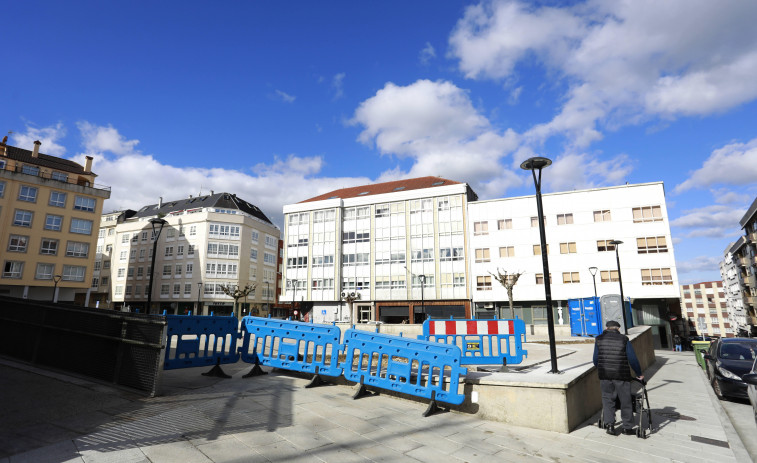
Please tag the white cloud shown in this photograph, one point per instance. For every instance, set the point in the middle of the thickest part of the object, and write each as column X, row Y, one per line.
column 337, row 83
column 48, row 136
column 622, row 62
column 427, row 54
column 579, row 171
column 714, row 221
column 436, row 125
column 285, row 97
column 97, row 139
column 733, row 164
column 699, row 264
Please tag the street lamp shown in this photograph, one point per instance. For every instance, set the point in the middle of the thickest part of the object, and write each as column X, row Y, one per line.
column 593, row 271
column 154, row 221
column 268, row 295
column 534, row 164
column 198, row 309
column 294, row 296
column 56, row 279
column 616, row 243
column 422, row 279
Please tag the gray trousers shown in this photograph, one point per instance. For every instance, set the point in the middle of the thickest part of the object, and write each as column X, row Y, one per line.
column 612, row 388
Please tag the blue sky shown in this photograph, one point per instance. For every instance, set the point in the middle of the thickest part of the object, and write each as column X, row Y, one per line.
column 281, row 101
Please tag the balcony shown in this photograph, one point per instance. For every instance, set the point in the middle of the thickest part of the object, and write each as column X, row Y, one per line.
column 743, row 261
column 70, row 179
column 752, row 236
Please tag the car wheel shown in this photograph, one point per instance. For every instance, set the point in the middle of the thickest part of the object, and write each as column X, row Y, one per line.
column 716, row 388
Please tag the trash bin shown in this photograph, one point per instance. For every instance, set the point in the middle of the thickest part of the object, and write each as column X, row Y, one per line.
column 700, row 347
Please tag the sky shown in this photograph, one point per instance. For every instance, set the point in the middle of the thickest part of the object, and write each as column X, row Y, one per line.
column 282, row 101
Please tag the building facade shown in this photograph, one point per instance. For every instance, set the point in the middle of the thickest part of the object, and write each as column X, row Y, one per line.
column 207, row 243
column 394, row 250
column 746, row 259
column 50, row 212
column 733, row 288
column 706, row 310
column 580, row 226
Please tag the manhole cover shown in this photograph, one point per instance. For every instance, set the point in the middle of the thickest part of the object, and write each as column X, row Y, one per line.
column 676, row 416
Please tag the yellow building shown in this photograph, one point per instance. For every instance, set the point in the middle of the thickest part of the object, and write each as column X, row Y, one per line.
column 50, row 213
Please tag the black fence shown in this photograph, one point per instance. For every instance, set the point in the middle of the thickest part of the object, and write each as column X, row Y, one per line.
column 121, row 348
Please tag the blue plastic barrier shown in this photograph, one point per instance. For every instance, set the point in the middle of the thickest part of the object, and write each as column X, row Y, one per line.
column 194, row 341
column 291, row 345
column 482, row 342
column 405, row 365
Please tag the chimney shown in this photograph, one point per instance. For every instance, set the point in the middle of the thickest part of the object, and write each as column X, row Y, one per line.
column 160, row 202
column 212, row 192
column 88, row 164
column 35, row 153
column 190, row 196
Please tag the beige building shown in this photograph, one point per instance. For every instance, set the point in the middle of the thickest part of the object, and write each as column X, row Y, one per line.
column 705, row 309
column 50, row 212
column 207, row 242
column 746, row 260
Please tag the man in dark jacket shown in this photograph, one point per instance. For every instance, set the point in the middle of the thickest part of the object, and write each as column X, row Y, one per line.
column 612, row 354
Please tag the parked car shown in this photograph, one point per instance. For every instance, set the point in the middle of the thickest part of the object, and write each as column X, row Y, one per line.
column 728, row 359
column 751, row 387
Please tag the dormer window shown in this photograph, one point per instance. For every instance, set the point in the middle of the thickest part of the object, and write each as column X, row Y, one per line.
column 437, row 183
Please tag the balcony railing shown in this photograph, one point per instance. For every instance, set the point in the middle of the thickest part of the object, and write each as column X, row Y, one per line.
column 70, row 178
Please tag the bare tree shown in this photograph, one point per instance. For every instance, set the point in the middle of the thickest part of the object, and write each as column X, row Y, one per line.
column 508, row 281
column 237, row 293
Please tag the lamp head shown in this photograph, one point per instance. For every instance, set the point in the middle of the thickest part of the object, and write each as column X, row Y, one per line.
column 616, row 242
column 535, row 163
column 593, row 270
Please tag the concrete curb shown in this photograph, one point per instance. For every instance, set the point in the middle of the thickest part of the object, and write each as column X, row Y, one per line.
column 734, row 440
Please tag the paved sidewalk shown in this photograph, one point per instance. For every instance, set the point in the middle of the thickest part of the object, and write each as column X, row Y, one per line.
column 273, row 418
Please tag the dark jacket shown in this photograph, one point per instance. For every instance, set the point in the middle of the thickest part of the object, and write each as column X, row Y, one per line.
column 612, row 354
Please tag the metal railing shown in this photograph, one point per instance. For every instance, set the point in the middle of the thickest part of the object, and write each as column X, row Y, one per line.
column 48, row 175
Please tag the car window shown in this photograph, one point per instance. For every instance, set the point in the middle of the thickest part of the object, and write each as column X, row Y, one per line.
column 738, row 351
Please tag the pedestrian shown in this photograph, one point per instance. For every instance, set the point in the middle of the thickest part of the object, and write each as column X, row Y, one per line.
column 613, row 353
column 677, row 342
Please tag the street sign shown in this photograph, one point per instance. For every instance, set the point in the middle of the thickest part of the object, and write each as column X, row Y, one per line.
column 295, row 312
column 323, row 312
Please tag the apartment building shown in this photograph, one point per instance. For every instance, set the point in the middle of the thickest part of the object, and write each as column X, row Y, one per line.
column 733, row 288
column 746, row 260
column 396, row 250
column 706, row 310
column 207, row 242
column 580, row 226
column 49, row 210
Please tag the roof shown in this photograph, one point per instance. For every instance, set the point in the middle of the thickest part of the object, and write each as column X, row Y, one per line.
column 44, row 160
column 750, row 213
column 219, row 200
column 386, row 187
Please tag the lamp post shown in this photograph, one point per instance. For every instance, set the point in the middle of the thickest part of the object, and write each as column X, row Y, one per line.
column 154, row 221
column 56, row 279
column 422, row 279
column 294, row 296
column 268, row 295
column 616, row 243
column 198, row 309
column 593, row 271
column 534, row 164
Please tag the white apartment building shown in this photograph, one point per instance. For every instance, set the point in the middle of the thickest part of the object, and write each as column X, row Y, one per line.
column 398, row 248
column 579, row 228
column 208, row 241
column 732, row 288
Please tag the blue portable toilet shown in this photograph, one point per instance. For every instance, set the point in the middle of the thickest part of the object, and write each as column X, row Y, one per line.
column 585, row 316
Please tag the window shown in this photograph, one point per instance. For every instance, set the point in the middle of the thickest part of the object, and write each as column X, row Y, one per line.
column 75, row 249
column 504, row 224
column 177, row 289
column 82, row 203
column 104, row 281
column 651, row 245
column 180, row 250
column 133, row 255
column 605, row 245
column 656, row 276
column 2, row 185
column 101, row 233
column 168, row 252
column 171, row 233
column 271, row 241
column 609, row 275
column 140, row 272
column 193, row 230
column 537, row 249
column 484, row 283
column 564, row 219
column 106, row 264
column 647, row 214
column 98, row 265
column 570, row 277
column 187, row 289
column 57, row 199
column 121, row 272
column 167, row 270
column 18, row 243
column 177, row 270
column 223, row 231
column 188, row 270
column 507, row 251
column 128, row 290
column 482, row 255
column 535, row 222
column 81, row 226
column 481, row 228
column 568, row 248
column 164, row 289
column 144, row 236
column 95, row 282
column 28, row 194
column 44, row 272
column 447, row 254
column 539, row 277
column 74, row 272
column 269, row 259
column 323, row 261
column 602, row 216
column 13, row 269
column 354, row 259
column 30, row 170
column 256, row 236
column 125, row 238
column 254, row 254
column 190, row 249
column 59, row 176
column 123, row 255
column 23, row 218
